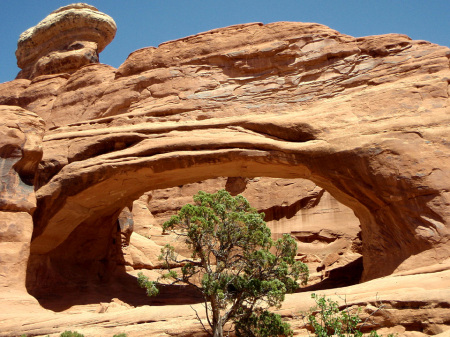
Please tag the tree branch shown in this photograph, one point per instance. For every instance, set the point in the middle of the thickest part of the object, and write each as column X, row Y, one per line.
column 207, row 314
column 200, row 320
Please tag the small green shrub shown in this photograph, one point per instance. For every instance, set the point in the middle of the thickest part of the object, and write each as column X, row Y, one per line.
column 327, row 319
column 121, row 335
column 262, row 324
column 71, row 334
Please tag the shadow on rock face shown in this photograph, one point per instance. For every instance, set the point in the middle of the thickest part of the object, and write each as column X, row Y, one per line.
column 344, row 276
column 122, row 286
column 89, row 271
column 236, row 185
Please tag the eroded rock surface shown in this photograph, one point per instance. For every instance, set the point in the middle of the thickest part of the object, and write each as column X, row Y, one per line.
column 294, row 101
column 425, row 313
column 367, row 119
column 70, row 37
column 20, row 152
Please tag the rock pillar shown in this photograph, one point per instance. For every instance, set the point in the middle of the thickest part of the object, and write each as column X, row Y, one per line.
column 20, row 153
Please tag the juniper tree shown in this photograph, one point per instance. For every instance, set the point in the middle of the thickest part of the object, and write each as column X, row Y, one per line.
column 243, row 271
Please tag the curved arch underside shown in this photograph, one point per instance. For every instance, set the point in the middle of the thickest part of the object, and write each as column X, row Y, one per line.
column 367, row 119
column 398, row 213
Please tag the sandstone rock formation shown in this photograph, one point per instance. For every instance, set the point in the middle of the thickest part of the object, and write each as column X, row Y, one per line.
column 423, row 314
column 69, row 38
column 336, row 111
column 20, row 153
column 366, row 119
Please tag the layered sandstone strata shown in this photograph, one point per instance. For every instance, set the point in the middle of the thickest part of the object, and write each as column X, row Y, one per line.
column 295, row 101
column 367, row 119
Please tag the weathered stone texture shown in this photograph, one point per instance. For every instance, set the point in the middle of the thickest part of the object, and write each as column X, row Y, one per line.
column 67, row 39
column 20, row 153
column 366, row 119
column 296, row 100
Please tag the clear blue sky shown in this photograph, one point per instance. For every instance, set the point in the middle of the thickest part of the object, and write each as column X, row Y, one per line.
column 143, row 23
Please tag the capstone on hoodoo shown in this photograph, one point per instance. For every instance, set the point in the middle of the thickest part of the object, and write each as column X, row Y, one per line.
column 67, row 39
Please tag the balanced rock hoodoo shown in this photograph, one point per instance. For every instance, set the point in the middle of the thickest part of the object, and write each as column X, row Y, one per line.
column 70, row 37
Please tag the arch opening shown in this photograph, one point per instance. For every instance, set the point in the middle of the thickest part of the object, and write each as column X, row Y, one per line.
column 128, row 242
column 328, row 234
column 99, row 190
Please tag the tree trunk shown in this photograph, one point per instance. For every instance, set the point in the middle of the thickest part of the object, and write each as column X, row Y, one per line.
column 218, row 329
column 217, row 319
column 217, row 325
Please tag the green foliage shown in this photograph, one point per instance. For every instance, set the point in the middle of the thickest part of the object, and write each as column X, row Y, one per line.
column 327, row 319
column 330, row 320
column 262, row 323
column 242, row 270
column 70, row 334
column 121, row 335
column 150, row 286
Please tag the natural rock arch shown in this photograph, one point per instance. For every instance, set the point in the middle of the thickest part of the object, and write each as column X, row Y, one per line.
column 366, row 118
column 91, row 192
